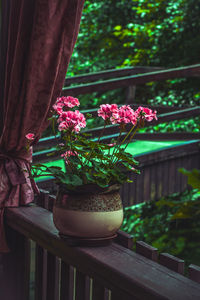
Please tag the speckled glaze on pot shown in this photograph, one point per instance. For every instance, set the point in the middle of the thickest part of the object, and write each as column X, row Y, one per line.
column 88, row 215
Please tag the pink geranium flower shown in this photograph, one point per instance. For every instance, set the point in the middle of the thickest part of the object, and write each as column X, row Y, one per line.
column 144, row 113
column 106, row 110
column 69, row 153
column 124, row 115
column 58, row 108
column 64, row 103
column 71, row 120
column 30, row 136
column 68, row 101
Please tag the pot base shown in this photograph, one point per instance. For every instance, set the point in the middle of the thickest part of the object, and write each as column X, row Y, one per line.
column 87, row 242
column 85, row 224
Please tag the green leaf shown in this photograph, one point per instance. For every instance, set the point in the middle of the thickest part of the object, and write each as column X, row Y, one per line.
column 72, row 180
column 182, row 215
column 127, row 157
column 193, row 177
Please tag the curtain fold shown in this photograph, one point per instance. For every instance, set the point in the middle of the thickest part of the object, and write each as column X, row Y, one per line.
column 37, row 40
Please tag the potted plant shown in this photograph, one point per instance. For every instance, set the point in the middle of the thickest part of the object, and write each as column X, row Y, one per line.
column 88, row 203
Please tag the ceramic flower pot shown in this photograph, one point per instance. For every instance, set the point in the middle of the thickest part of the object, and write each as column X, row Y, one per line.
column 88, row 214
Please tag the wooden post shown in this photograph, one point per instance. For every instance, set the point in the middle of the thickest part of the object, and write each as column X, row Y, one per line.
column 130, row 96
column 173, row 263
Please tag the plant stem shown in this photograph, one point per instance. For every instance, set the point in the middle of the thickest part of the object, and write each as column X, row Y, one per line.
column 134, row 132
column 88, row 159
column 118, row 146
column 102, row 132
column 131, row 137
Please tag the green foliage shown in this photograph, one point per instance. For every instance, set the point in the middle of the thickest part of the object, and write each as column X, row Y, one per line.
column 171, row 224
column 116, row 34
column 97, row 47
column 158, row 28
column 90, row 163
column 137, row 32
column 193, row 177
column 185, row 125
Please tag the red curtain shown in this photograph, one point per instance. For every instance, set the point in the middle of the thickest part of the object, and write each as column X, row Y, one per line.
column 37, row 40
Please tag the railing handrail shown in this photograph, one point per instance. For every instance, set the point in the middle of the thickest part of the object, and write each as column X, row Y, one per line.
column 113, row 266
column 110, row 73
column 111, row 84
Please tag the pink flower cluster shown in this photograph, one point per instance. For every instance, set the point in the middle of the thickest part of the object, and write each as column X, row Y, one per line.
column 68, row 154
column 30, row 136
column 71, row 120
column 106, row 110
column 65, row 102
column 145, row 113
column 125, row 114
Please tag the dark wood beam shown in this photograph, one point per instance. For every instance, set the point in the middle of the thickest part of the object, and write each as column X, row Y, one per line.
column 111, row 84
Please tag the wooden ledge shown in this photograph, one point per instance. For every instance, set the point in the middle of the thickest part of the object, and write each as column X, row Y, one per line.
column 113, row 265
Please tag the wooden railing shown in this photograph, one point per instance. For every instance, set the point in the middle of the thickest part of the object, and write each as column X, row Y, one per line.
column 147, row 74
column 111, row 84
column 58, row 271
column 107, row 74
column 159, row 175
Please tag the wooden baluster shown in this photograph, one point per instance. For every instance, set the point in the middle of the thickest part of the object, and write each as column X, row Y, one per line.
column 172, row 179
column 82, row 286
column 165, row 179
column 51, row 202
column 159, row 181
column 32, row 270
column 98, row 291
column 40, row 273
column 125, row 194
column 147, row 250
column 66, row 282
column 124, row 239
column 107, row 294
column 16, row 267
column 133, row 185
column 43, row 199
column 194, row 273
column 147, row 185
column 178, row 175
column 52, row 277
column 183, row 178
column 175, row 185
column 139, row 187
column 153, row 182
column 133, row 190
column 172, row 262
